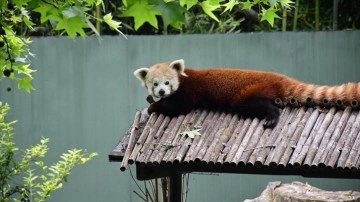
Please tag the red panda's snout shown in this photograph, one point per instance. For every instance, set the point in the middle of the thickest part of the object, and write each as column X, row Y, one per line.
column 161, row 91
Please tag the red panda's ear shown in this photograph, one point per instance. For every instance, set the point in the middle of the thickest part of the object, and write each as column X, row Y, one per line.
column 179, row 66
column 141, row 74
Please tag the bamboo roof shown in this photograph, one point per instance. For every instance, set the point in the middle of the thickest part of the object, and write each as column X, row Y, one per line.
column 311, row 141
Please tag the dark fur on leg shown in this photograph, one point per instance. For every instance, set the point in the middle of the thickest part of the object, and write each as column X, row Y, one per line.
column 262, row 108
column 171, row 106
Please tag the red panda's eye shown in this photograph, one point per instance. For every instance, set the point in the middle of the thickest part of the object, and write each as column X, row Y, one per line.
column 167, row 82
column 156, row 84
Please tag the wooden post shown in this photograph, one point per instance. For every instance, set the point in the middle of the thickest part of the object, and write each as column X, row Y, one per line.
column 175, row 188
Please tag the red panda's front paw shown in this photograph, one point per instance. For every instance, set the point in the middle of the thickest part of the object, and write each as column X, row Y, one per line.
column 272, row 116
column 150, row 99
column 270, row 122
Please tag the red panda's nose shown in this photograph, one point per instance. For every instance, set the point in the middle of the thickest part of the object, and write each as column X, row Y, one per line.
column 161, row 92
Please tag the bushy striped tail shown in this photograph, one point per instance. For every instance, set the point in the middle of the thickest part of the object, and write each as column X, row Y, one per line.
column 328, row 96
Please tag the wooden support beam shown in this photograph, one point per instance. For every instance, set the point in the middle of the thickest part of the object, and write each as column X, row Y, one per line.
column 175, row 189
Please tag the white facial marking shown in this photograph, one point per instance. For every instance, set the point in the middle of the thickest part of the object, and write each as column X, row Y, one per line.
column 160, row 87
column 161, row 80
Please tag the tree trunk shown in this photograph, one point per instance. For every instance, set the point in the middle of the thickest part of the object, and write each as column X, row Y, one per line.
column 300, row 192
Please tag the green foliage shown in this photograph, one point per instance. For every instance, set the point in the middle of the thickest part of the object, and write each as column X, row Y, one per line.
column 38, row 179
column 172, row 12
column 70, row 17
column 142, row 11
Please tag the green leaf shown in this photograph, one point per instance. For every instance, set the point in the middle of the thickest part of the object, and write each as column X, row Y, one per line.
column 273, row 2
column 192, row 133
column 188, row 3
column 286, row 3
column 230, row 5
column 72, row 26
column 48, row 12
column 269, row 15
column 24, row 69
column 112, row 23
column 28, row 22
column 142, row 12
column 126, row 4
column 247, row 5
column 25, row 83
column 172, row 14
column 74, row 11
column 209, row 6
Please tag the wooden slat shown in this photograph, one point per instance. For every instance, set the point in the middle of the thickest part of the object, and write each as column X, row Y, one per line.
column 302, row 138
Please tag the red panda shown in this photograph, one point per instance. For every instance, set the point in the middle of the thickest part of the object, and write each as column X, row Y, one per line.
column 246, row 92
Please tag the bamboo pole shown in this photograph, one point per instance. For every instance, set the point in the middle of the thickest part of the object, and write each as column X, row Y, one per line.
column 284, row 20
column 245, row 141
column 317, row 15
column 296, row 14
column 209, row 137
column 132, row 140
column 148, row 142
column 185, row 149
column 301, row 156
column 185, row 141
column 224, row 141
column 178, row 140
column 280, row 134
column 356, row 167
column 349, row 144
column 335, row 14
column 219, row 147
column 190, row 155
column 304, row 135
column 313, row 147
column 211, row 149
column 229, row 143
column 195, row 148
column 151, row 121
column 142, row 138
column 288, row 133
column 330, row 146
column 155, row 144
column 326, row 136
column 333, row 158
column 260, row 159
column 254, row 139
column 240, row 132
column 171, row 137
column 98, row 19
column 160, row 152
column 259, row 147
column 294, row 139
column 354, row 154
column 213, row 144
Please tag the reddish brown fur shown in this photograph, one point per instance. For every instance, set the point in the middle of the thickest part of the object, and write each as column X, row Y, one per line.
column 226, row 86
column 248, row 92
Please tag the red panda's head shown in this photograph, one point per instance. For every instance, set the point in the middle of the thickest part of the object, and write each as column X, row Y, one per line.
column 161, row 80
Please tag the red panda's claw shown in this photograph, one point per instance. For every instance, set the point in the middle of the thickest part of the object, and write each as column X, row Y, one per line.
column 270, row 122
